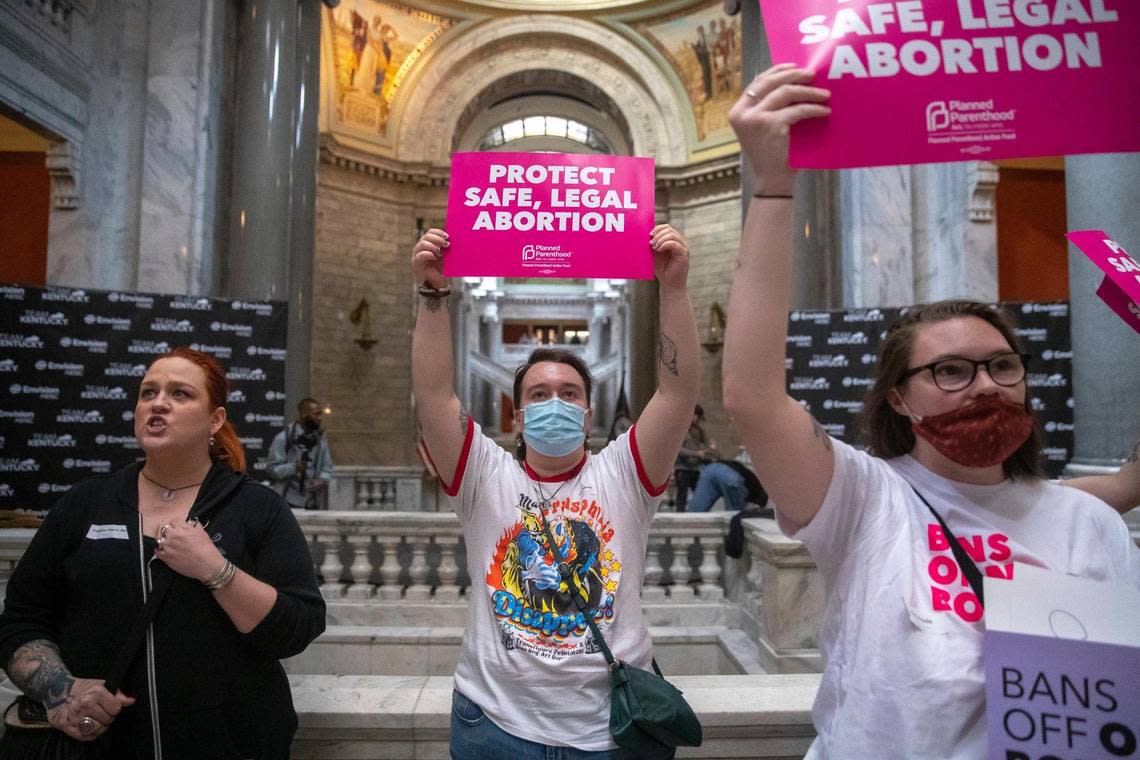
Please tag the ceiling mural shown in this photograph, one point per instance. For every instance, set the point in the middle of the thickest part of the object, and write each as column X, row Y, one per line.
column 703, row 47
column 374, row 46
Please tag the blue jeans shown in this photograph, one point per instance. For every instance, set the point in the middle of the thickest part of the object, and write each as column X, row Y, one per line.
column 475, row 737
column 719, row 480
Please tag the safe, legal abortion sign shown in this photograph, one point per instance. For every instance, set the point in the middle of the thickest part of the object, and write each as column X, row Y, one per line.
column 1120, row 289
column 920, row 81
column 1061, row 658
column 549, row 215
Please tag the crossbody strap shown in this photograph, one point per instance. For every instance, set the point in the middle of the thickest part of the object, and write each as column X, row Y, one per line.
column 965, row 563
column 579, row 603
column 163, row 576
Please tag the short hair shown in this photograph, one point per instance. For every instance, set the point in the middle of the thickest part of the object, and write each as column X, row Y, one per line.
column 887, row 433
column 307, row 402
column 559, row 356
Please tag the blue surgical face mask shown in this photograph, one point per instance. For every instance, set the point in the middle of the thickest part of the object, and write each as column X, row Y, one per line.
column 554, row 427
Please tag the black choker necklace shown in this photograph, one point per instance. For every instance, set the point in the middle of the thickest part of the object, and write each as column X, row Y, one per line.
column 169, row 495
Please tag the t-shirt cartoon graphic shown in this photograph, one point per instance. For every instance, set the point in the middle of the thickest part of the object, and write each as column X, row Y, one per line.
column 529, row 659
column 536, row 608
column 902, row 630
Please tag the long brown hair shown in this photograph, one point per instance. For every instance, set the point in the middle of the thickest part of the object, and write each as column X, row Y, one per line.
column 226, row 447
column 886, row 433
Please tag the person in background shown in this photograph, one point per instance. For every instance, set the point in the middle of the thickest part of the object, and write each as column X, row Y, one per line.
column 954, row 454
column 242, row 595
column 730, row 479
column 300, row 464
column 697, row 450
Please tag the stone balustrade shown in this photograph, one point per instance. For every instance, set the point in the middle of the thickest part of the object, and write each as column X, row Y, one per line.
column 421, row 556
column 374, row 488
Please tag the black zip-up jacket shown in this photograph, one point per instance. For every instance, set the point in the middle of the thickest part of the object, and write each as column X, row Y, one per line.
column 220, row 693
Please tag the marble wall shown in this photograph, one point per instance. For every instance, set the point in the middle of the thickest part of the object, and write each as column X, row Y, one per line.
column 180, row 155
column 917, row 233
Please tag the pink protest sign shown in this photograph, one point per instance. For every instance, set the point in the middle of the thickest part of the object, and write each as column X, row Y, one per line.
column 956, row 80
column 549, row 215
column 1120, row 288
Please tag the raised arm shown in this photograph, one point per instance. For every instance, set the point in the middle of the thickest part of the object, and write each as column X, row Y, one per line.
column 443, row 421
column 662, row 426
column 790, row 451
column 1121, row 490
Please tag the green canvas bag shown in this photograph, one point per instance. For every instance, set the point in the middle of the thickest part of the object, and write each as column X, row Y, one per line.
column 648, row 715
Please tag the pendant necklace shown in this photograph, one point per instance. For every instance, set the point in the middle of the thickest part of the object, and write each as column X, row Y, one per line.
column 169, row 495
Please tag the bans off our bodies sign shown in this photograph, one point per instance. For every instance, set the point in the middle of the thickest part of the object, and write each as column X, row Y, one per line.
column 549, row 215
column 920, row 81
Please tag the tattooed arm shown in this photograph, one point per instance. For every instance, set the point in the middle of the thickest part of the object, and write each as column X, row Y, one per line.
column 443, row 422
column 38, row 671
column 662, row 426
column 1121, row 490
column 790, row 452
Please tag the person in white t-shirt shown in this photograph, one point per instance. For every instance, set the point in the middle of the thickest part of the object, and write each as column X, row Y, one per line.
column 948, row 418
column 531, row 680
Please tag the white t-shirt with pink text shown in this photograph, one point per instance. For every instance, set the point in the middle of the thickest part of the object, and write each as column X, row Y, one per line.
column 902, row 631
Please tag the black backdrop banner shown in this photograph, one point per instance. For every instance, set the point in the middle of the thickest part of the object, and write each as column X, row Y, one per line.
column 831, row 365
column 70, row 365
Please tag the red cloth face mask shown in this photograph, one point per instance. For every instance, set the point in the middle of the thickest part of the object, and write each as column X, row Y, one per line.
column 982, row 434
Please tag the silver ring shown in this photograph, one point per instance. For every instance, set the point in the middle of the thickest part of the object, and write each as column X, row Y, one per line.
column 88, row 726
column 162, row 530
column 752, row 94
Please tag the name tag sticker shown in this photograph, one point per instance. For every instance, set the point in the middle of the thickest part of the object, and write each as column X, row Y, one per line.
column 96, row 532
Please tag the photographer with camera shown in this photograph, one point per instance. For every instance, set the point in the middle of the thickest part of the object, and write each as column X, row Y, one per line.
column 300, row 465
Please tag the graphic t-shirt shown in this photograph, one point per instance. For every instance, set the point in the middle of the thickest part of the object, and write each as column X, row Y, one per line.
column 902, row 631
column 528, row 657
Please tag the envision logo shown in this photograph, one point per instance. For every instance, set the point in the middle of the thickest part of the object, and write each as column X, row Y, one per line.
column 937, row 116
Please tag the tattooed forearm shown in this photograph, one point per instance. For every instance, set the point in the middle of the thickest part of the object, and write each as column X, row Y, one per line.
column 667, row 353
column 820, row 433
column 1135, row 455
column 433, row 303
column 463, row 418
column 38, row 671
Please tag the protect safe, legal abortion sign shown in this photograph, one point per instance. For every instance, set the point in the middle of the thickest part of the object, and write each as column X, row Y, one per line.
column 549, row 215
column 954, row 80
column 1062, row 656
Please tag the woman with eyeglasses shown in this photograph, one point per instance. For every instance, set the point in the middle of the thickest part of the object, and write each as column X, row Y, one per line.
column 951, row 439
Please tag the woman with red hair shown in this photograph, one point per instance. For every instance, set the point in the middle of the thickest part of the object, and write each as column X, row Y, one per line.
column 240, row 589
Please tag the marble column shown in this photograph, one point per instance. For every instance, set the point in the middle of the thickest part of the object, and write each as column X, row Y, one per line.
column 97, row 244
column 259, row 245
column 954, row 232
column 302, row 204
column 875, row 214
column 1101, row 193
column 181, row 166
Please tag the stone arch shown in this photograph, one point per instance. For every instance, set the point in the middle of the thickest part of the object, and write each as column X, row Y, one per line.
column 551, row 82
column 650, row 100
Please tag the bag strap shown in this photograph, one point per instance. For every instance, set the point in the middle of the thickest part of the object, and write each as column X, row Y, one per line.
column 163, row 576
column 579, row 603
column 965, row 563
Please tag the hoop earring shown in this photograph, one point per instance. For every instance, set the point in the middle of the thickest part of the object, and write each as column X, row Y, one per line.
column 211, row 441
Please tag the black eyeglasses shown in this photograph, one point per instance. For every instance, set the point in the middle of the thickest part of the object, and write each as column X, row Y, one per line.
column 957, row 373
